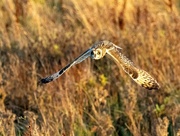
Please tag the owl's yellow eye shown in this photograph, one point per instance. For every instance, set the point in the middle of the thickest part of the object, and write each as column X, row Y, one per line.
column 98, row 52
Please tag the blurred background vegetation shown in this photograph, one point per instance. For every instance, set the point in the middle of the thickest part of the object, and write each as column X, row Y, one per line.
column 39, row 37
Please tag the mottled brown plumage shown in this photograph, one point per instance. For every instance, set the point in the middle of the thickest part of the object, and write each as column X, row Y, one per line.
column 98, row 51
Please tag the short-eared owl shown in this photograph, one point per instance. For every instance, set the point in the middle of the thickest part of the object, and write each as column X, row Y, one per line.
column 98, row 51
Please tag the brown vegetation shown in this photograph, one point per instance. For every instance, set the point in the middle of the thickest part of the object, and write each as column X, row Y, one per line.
column 39, row 37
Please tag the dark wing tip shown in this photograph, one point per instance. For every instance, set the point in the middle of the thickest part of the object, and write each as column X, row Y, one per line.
column 151, row 86
column 155, row 85
column 46, row 80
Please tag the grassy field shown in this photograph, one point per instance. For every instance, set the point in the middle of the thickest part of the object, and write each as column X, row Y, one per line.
column 94, row 98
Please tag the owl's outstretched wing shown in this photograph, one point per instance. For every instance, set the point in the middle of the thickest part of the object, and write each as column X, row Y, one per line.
column 140, row 76
column 79, row 59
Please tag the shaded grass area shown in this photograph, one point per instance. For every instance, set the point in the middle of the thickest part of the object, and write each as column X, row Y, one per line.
column 39, row 37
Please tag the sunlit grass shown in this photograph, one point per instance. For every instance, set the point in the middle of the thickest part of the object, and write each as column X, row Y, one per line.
column 40, row 37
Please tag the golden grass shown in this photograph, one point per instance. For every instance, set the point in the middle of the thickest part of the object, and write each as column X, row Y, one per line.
column 39, row 37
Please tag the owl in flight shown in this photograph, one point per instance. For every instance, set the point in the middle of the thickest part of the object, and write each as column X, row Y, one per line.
column 98, row 51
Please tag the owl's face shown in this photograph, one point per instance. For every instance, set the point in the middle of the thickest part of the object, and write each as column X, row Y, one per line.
column 98, row 53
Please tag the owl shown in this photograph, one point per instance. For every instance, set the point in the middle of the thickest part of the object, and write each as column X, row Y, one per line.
column 98, row 51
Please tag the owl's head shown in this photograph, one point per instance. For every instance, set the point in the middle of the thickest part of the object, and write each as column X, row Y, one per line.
column 100, row 49
column 98, row 53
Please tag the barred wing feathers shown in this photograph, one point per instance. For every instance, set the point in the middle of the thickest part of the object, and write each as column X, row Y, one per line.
column 140, row 76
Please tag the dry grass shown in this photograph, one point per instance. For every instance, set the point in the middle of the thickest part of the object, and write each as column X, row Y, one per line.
column 39, row 37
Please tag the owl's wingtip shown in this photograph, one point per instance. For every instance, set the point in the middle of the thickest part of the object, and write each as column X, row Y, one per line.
column 158, row 86
column 44, row 80
column 155, row 86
